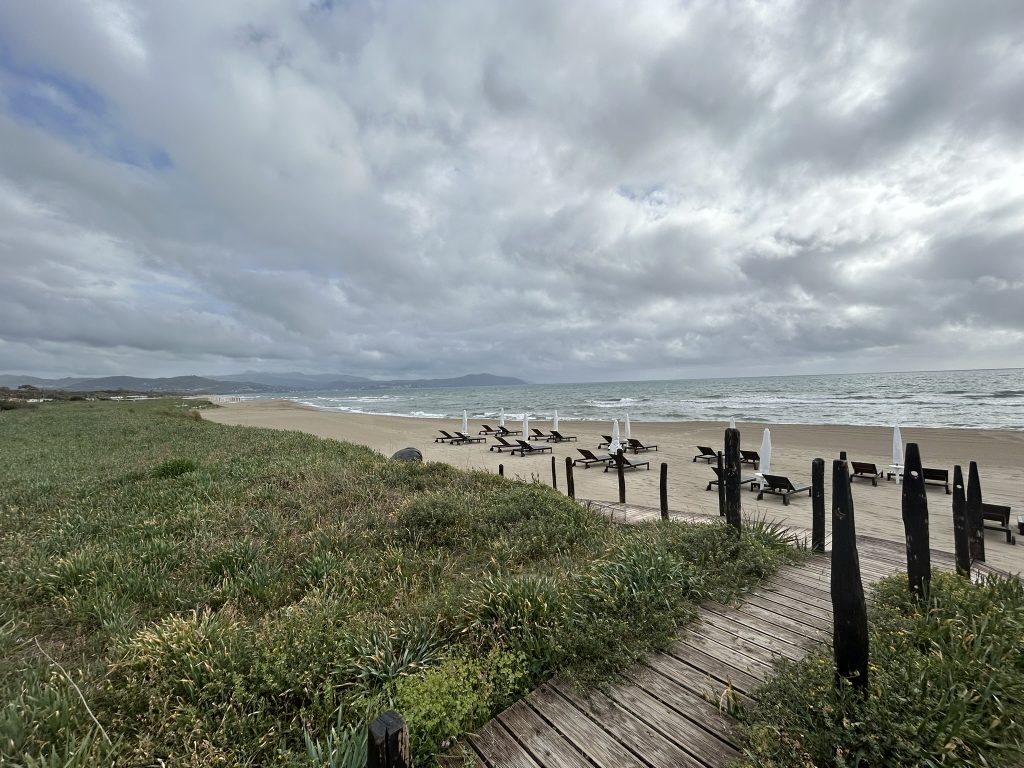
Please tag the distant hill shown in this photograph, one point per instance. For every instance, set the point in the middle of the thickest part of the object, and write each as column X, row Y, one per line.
column 253, row 383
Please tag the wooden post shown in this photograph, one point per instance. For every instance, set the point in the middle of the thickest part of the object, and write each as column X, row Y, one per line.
column 975, row 520
column 570, row 483
column 388, row 742
column 621, row 467
column 664, row 491
column 554, row 475
column 732, row 479
column 818, row 505
column 915, row 523
column 721, row 484
column 501, row 470
column 849, row 611
column 842, row 457
column 961, row 538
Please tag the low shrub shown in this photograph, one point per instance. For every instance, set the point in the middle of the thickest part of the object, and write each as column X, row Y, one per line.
column 946, row 680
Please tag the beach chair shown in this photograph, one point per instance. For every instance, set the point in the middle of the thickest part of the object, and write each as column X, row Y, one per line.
column 1000, row 515
column 445, row 437
column 940, row 476
column 524, row 448
column 706, row 453
column 607, row 441
column 464, row 438
column 503, row 445
column 626, row 464
column 539, row 435
column 488, row 430
column 866, row 471
column 750, row 457
column 636, row 446
column 751, row 481
column 558, row 437
column 589, row 458
column 777, row 485
column 506, row 432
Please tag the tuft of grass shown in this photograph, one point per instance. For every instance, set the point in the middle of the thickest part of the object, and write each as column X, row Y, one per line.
column 244, row 596
column 946, row 680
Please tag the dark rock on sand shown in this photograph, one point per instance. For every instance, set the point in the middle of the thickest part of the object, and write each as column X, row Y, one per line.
column 408, row 454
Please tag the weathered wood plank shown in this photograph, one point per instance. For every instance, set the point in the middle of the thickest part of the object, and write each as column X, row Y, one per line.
column 702, row 674
column 772, row 602
column 544, row 743
column 725, row 672
column 771, row 628
column 772, row 647
column 499, row 748
column 728, row 648
column 674, row 695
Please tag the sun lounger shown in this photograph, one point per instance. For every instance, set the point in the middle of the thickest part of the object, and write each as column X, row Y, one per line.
column 627, row 464
column 939, row 476
column 539, row 435
column 718, row 479
column 1000, row 515
column 503, row 444
column 488, row 430
column 506, row 432
column 558, row 437
column 750, row 457
column 463, row 438
column 524, row 448
column 865, row 470
column 607, row 441
column 636, row 446
column 706, row 453
column 589, row 458
column 445, row 437
column 778, row 485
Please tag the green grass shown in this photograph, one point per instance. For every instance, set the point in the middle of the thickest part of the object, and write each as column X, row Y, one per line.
column 236, row 596
column 946, row 686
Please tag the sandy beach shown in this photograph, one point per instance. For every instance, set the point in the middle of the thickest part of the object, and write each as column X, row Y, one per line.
column 1000, row 457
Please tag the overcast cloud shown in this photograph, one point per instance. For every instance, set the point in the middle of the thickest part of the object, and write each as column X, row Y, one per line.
column 568, row 190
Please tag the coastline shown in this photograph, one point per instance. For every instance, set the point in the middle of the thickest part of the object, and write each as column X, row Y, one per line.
column 999, row 453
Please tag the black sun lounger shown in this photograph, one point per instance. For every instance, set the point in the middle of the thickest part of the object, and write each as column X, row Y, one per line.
column 778, row 485
column 445, row 437
column 506, row 432
column 707, row 453
column 607, row 441
column 524, row 448
column 865, row 470
column 503, row 445
column 558, row 437
column 636, row 446
column 752, row 481
column 488, row 430
column 627, row 464
column 750, row 457
column 463, row 438
column 539, row 435
column 589, row 458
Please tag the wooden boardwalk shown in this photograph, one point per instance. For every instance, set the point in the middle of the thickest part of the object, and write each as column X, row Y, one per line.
column 670, row 709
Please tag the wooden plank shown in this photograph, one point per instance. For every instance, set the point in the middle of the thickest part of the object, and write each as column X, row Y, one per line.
column 586, row 735
column 742, row 662
column 499, row 749
column 773, row 602
column 543, row 742
column 676, row 696
column 459, row 758
column 803, row 626
column 752, row 639
column 808, row 594
column 656, row 749
column 800, row 639
column 675, row 725
column 702, row 674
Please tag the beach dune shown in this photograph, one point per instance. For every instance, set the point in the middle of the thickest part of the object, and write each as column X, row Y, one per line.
column 999, row 453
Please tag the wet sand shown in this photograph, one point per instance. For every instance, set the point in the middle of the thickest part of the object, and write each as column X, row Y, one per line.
column 1000, row 457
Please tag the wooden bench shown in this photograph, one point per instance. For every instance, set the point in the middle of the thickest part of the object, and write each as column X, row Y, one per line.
column 1000, row 515
column 865, row 470
column 939, row 476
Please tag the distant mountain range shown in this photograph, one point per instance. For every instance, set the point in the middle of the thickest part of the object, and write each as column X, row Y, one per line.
column 251, row 382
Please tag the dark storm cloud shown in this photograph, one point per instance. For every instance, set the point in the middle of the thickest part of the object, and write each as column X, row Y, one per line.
column 558, row 191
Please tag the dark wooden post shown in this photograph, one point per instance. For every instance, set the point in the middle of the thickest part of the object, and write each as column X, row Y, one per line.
column 842, row 455
column 849, row 611
column 915, row 523
column 818, row 505
column 501, row 470
column 721, row 484
column 961, row 538
column 732, row 479
column 554, row 475
column 664, row 491
column 620, row 466
column 388, row 743
column 975, row 520
column 570, row 483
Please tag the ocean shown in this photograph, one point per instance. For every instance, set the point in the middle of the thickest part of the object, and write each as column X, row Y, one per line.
column 989, row 399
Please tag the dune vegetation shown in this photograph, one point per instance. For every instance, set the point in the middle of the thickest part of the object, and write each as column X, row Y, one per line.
column 178, row 592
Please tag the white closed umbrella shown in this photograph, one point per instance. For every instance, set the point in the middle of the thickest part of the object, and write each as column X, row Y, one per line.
column 628, row 433
column 554, row 422
column 766, row 454
column 732, row 423
column 897, row 447
column 526, row 427
column 465, row 423
column 615, row 446
column 502, row 422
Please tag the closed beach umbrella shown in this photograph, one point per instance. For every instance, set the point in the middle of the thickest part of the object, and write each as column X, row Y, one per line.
column 614, row 445
column 502, row 422
column 897, row 447
column 526, row 426
column 628, row 433
column 465, row 423
column 732, row 423
column 554, row 422
column 766, row 453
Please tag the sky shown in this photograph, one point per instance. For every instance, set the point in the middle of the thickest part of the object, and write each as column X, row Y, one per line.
column 573, row 191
